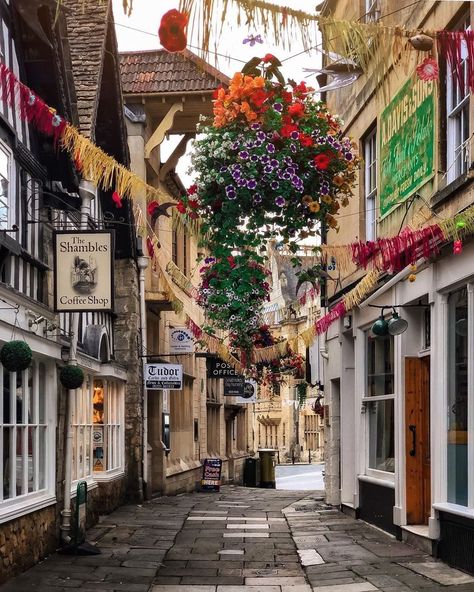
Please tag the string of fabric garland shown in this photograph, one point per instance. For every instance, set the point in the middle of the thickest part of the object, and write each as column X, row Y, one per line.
column 97, row 166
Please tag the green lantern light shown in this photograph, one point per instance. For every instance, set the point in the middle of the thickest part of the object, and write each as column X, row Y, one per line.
column 380, row 327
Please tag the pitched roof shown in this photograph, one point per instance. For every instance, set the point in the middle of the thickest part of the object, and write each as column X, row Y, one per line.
column 158, row 71
column 87, row 34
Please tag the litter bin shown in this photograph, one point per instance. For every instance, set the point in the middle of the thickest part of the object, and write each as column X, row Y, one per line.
column 252, row 472
column 267, row 468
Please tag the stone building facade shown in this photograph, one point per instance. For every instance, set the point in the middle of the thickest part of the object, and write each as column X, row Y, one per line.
column 70, row 63
column 403, row 400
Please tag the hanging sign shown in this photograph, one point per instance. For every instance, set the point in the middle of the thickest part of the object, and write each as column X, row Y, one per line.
column 216, row 368
column 250, row 393
column 407, row 143
column 211, row 474
column 181, row 340
column 234, row 386
column 164, row 376
column 83, row 271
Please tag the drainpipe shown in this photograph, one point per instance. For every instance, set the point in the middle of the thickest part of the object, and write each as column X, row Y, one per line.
column 142, row 263
column 87, row 191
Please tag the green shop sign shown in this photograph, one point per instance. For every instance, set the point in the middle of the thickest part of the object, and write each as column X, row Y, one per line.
column 407, row 141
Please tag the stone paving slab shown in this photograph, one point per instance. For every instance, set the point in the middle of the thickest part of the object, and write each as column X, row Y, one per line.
column 440, row 573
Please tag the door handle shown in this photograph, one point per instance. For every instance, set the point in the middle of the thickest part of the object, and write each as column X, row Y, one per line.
column 412, row 429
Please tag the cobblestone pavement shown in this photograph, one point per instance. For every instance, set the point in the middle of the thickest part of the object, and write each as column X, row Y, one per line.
column 240, row 540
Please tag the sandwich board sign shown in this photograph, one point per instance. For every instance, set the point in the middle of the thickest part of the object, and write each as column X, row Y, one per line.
column 211, row 474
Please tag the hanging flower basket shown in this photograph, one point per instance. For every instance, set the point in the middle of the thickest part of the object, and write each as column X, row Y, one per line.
column 71, row 377
column 16, row 356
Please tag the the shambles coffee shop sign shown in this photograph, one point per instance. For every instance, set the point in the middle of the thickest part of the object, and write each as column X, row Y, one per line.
column 407, row 143
column 83, row 271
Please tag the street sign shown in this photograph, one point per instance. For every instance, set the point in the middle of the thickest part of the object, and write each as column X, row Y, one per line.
column 181, row 340
column 234, row 386
column 250, row 393
column 164, row 376
column 216, row 368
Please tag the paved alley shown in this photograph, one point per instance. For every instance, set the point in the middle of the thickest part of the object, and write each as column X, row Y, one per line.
column 240, row 540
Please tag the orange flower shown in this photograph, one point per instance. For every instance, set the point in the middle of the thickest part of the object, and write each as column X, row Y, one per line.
column 327, row 199
column 307, row 199
column 338, row 180
column 247, row 111
column 314, row 207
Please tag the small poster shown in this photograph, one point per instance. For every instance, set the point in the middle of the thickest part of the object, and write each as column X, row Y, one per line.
column 181, row 340
column 234, row 386
column 164, row 376
column 211, row 474
column 83, row 271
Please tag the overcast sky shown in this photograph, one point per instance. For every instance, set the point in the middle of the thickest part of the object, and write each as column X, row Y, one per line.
column 146, row 18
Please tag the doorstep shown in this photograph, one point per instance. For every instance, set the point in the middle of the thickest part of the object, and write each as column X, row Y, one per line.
column 417, row 535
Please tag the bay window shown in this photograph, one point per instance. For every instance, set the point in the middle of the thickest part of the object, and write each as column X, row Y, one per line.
column 379, row 401
column 98, row 434
column 26, row 438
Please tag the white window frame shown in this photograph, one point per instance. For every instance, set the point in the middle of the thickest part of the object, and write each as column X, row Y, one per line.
column 372, row 11
column 370, row 184
column 113, row 433
column 10, row 203
column 387, row 476
column 457, row 115
column 40, row 497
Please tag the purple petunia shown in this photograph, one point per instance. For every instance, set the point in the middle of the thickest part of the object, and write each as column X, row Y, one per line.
column 255, row 126
column 293, row 148
column 223, row 169
column 291, row 170
column 280, row 201
column 265, row 159
column 324, row 190
column 241, row 182
column 236, row 174
column 254, row 158
column 274, row 162
column 271, row 148
column 251, row 184
column 278, row 107
column 243, row 154
column 230, row 192
column 235, row 145
column 274, row 184
column 295, row 135
column 257, row 198
column 321, row 141
column 268, row 168
column 348, row 156
column 261, row 136
column 288, row 160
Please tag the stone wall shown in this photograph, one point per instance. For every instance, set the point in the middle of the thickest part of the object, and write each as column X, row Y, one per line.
column 26, row 540
column 127, row 342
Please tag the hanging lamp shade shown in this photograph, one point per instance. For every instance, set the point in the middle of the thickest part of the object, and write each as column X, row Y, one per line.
column 380, row 327
column 396, row 325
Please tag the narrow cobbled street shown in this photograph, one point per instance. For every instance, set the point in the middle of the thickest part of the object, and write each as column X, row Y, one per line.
column 240, row 539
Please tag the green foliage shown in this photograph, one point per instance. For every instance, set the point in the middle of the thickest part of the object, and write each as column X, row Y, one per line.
column 71, row 377
column 16, row 356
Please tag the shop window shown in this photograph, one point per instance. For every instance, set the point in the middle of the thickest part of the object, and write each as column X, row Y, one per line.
column 379, row 403
column 459, row 321
column 457, row 116
column 97, row 425
column 26, row 439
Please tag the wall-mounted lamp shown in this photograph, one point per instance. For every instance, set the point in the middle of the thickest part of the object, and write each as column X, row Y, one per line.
column 394, row 326
column 65, row 354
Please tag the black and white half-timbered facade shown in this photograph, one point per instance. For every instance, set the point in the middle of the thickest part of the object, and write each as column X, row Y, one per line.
column 71, row 63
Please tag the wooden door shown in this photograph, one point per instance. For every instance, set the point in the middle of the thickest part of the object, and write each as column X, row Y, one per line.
column 417, row 439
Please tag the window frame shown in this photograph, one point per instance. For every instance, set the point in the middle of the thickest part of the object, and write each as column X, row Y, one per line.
column 10, row 202
column 456, row 116
column 28, row 502
column 367, row 400
column 370, row 191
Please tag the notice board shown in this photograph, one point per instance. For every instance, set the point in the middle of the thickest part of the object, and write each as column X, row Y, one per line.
column 211, row 474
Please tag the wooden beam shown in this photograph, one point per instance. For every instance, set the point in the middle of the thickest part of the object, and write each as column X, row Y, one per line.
column 177, row 153
column 164, row 126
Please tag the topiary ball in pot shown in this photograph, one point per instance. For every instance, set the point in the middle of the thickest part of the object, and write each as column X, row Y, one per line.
column 16, row 356
column 71, row 377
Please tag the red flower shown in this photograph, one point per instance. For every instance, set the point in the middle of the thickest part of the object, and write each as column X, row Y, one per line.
column 286, row 96
column 428, row 69
column 296, row 110
column 287, row 130
column 231, row 261
column 215, row 94
column 181, row 207
column 172, row 31
column 306, row 140
column 152, row 207
column 302, row 89
column 193, row 203
column 193, row 189
column 268, row 58
column 321, row 161
column 258, row 97
column 193, row 215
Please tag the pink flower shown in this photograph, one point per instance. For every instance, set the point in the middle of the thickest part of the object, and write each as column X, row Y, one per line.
column 428, row 69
